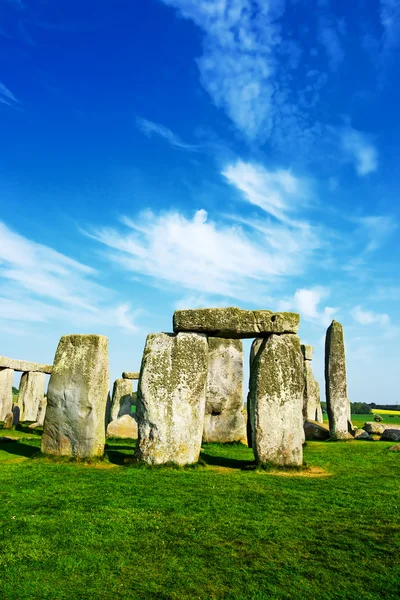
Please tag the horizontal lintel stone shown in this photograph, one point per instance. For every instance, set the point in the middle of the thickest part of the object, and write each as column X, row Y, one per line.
column 233, row 322
column 24, row 365
column 130, row 375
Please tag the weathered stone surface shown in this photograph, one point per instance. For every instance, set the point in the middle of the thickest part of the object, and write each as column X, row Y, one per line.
column 316, row 431
column 395, row 448
column 130, row 375
column 76, row 398
column 171, row 398
column 312, row 399
column 40, row 414
column 6, row 399
column 224, row 420
column 276, row 400
column 255, row 346
column 338, row 405
column 307, row 351
column 235, row 322
column 361, row 434
column 373, row 427
column 121, row 398
column 24, row 365
column 123, row 427
column 392, row 435
column 8, row 420
column 31, row 392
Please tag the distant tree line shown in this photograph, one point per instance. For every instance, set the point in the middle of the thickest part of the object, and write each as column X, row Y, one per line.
column 15, row 391
column 362, row 408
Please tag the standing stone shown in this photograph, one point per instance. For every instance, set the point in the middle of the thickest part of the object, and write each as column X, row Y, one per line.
column 41, row 412
column 337, row 402
column 255, row 346
column 6, row 399
column 8, row 420
column 171, row 398
column 122, row 398
column 312, row 410
column 76, row 398
column 123, row 427
column 276, row 399
column 224, row 420
column 31, row 392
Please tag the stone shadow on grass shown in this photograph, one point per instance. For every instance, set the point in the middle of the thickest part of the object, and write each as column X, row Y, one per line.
column 224, row 461
column 117, row 454
column 18, row 448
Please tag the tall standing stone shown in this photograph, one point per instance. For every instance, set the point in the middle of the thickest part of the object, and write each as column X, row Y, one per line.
column 171, row 398
column 276, row 401
column 337, row 402
column 6, row 399
column 31, row 392
column 76, row 398
column 224, row 420
column 121, row 398
column 255, row 346
column 312, row 410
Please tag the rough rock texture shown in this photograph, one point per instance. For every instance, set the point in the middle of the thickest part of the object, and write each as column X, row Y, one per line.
column 124, row 427
column 40, row 414
column 255, row 346
column 224, row 420
column 130, row 375
column 316, row 431
column 361, row 434
column 395, row 448
column 312, row 398
column 338, row 405
column 31, row 393
column 171, row 398
column 235, row 322
column 392, row 435
column 276, row 400
column 121, row 398
column 76, row 398
column 308, row 351
column 8, row 420
column 373, row 427
column 24, row 365
column 6, row 399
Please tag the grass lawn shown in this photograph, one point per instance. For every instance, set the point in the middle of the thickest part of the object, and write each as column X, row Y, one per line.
column 221, row 530
column 359, row 420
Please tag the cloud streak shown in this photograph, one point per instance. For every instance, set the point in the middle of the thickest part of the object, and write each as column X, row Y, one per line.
column 7, row 97
column 149, row 128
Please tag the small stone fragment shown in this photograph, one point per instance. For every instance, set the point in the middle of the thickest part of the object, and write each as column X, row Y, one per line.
column 31, row 392
column 361, row 434
column 276, row 401
column 307, row 351
column 6, row 399
column 316, row 431
column 76, row 398
column 130, row 375
column 122, row 398
column 395, row 448
column 391, row 435
column 338, row 405
column 123, row 427
column 224, row 421
column 235, row 323
column 171, row 398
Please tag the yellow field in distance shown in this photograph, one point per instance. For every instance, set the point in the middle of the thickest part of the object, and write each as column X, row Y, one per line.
column 377, row 411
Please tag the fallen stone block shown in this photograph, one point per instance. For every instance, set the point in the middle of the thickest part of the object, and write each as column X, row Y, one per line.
column 8, row 420
column 361, row 434
column 395, row 448
column 123, row 427
column 373, row 427
column 76, row 398
column 235, row 322
column 316, row 431
column 391, row 435
column 171, row 398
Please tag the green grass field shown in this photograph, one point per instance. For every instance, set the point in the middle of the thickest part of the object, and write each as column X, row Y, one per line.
column 221, row 530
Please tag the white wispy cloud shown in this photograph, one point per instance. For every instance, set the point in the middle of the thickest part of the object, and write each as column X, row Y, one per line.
column 306, row 301
column 359, row 150
column 368, row 317
column 40, row 284
column 150, row 128
column 277, row 192
column 390, row 20
column 376, row 230
column 329, row 35
column 7, row 97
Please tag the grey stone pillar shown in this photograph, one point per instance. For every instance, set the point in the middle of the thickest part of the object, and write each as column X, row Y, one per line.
column 276, row 401
column 337, row 402
column 31, row 392
column 122, row 398
column 312, row 397
column 171, row 398
column 224, row 420
column 76, row 398
column 6, row 399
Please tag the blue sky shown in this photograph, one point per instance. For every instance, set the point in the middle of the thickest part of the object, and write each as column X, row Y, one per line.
column 182, row 153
